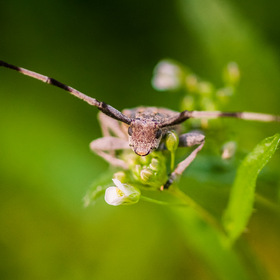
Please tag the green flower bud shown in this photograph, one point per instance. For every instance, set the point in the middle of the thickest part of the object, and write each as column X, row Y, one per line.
column 121, row 176
column 146, row 175
column 205, row 89
column 144, row 160
column 207, row 104
column 191, row 83
column 188, row 103
column 150, row 172
column 137, row 169
column 231, row 74
column 122, row 194
column 155, row 164
column 172, row 141
column 224, row 94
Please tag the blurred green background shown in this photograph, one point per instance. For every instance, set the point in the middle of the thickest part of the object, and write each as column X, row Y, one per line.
column 108, row 50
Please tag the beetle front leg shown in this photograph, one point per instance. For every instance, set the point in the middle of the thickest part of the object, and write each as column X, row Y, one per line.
column 115, row 139
column 110, row 126
column 105, row 145
column 186, row 140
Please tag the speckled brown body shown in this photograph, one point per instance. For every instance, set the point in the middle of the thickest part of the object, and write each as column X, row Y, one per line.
column 145, row 131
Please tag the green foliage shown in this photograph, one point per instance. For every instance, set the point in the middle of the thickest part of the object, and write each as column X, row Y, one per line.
column 170, row 75
column 151, row 171
column 46, row 166
column 240, row 206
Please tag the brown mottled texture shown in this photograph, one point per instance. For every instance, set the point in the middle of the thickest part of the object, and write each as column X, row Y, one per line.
column 145, row 132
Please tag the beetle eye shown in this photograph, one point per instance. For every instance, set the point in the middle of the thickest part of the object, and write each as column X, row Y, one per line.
column 129, row 131
column 158, row 133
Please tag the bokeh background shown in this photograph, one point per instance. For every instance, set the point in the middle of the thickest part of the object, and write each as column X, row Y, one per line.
column 108, row 50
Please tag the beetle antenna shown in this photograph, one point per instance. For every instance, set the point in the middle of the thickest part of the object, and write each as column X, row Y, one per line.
column 181, row 117
column 102, row 106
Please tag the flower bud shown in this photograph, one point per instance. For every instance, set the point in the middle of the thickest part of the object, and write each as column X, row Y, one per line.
column 207, row 104
column 122, row 194
column 191, row 82
column 229, row 149
column 155, row 164
column 121, row 176
column 146, row 174
column 167, row 76
column 205, row 89
column 172, row 141
column 231, row 74
column 188, row 103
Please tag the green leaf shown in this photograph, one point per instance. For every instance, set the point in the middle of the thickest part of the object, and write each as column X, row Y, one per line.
column 240, row 206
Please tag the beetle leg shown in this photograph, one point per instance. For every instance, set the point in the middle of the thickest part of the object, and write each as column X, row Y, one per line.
column 106, row 146
column 110, row 126
column 103, row 146
column 186, row 140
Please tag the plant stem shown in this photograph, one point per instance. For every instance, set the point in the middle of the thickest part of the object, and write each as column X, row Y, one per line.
column 191, row 203
column 161, row 202
column 172, row 160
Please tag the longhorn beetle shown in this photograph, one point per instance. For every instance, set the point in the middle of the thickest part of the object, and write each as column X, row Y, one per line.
column 143, row 128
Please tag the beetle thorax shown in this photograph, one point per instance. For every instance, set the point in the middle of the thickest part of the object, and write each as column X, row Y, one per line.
column 144, row 136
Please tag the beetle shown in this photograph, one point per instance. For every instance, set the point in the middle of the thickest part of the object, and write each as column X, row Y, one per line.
column 142, row 128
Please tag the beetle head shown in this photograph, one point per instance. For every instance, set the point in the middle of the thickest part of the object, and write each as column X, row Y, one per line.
column 144, row 136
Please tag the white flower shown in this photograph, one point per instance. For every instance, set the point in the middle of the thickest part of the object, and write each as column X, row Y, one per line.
column 167, row 76
column 229, row 150
column 122, row 194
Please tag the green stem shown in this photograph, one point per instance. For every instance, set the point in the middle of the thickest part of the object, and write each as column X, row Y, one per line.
column 162, row 202
column 172, row 160
column 191, row 203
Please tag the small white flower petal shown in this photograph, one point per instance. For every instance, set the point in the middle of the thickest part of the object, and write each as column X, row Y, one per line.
column 113, row 196
column 122, row 194
column 119, row 184
column 166, row 76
